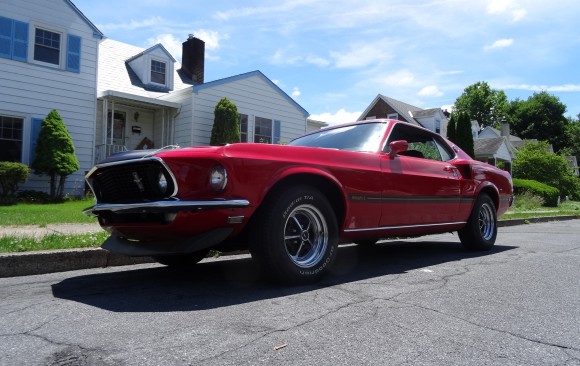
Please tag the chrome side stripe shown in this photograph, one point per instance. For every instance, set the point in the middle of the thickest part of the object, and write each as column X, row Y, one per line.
column 403, row 227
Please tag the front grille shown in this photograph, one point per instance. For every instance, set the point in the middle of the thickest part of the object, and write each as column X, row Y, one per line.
column 131, row 182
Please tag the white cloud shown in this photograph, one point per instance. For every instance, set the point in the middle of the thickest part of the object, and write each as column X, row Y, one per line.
column 295, row 92
column 509, row 7
column 171, row 44
column 281, row 58
column 398, row 79
column 342, row 116
column 500, row 43
column 430, row 91
column 553, row 88
column 132, row 24
column 361, row 55
column 211, row 38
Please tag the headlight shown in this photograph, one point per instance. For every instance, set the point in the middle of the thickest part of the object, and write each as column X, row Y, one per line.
column 218, row 178
column 162, row 183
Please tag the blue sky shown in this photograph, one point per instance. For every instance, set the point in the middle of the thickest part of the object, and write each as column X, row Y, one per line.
column 334, row 56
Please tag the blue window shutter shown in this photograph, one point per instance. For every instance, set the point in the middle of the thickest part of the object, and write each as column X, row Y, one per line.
column 276, row 131
column 36, row 123
column 20, row 46
column 6, row 31
column 73, row 54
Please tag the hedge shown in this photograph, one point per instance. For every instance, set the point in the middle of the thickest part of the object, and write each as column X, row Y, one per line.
column 548, row 193
column 11, row 174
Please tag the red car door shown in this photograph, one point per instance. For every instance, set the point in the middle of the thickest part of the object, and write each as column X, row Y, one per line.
column 420, row 186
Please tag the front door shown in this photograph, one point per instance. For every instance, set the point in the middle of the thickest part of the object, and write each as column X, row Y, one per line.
column 116, row 128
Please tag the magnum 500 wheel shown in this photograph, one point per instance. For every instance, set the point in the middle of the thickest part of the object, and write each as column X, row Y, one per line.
column 295, row 237
column 481, row 229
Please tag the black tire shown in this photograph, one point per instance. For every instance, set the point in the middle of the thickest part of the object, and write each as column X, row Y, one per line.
column 295, row 236
column 181, row 260
column 481, row 229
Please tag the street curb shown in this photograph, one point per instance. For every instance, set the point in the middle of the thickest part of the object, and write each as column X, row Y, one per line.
column 42, row 262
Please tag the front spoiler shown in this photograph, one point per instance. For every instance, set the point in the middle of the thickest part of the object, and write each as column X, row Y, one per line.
column 165, row 206
column 144, row 248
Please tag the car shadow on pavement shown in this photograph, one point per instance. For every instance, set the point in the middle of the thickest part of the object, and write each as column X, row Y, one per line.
column 212, row 284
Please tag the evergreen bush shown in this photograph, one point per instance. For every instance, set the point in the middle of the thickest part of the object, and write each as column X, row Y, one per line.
column 548, row 193
column 12, row 174
column 226, row 128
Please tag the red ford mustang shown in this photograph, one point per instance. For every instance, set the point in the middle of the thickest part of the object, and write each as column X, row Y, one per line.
column 290, row 205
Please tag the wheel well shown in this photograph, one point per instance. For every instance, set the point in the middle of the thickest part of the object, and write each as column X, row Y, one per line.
column 327, row 187
column 493, row 194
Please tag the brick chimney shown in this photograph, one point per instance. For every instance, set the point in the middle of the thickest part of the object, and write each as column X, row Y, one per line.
column 505, row 127
column 193, row 58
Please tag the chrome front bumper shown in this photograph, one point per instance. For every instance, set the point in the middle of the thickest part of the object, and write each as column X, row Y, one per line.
column 165, row 206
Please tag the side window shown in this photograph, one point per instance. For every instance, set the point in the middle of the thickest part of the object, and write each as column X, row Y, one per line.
column 422, row 144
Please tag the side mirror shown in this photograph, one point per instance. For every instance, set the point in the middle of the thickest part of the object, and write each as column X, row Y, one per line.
column 397, row 147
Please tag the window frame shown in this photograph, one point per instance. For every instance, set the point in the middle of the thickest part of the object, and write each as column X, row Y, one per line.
column 32, row 45
column 151, row 71
column 243, row 131
column 420, row 134
column 257, row 135
column 22, row 134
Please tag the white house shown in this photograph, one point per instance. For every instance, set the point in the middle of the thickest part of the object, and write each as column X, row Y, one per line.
column 151, row 101
column 48, row 60
column 382, row 106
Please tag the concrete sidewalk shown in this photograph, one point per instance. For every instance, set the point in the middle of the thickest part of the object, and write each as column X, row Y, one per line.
column 41, row 262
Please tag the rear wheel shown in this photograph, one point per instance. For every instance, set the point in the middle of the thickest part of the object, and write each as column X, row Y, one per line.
column 295, row 237
column 481, row 229
column 181, row 260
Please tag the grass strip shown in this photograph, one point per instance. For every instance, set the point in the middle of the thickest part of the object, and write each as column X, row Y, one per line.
column 12, row 244
column 43, row 214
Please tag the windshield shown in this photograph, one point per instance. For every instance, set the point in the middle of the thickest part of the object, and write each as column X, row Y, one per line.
column 360, row 137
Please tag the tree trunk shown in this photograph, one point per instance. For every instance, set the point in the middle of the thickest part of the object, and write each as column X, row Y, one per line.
column 60, row 190
column 53, row 185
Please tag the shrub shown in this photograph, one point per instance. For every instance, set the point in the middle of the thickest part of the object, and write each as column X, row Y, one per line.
column 528, row 201
column 11, row 174
column 548, row 193
column 31, row 196
column 226, row 128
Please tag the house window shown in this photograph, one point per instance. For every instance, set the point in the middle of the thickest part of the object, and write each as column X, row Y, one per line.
column 11, row 138
column 393, row 116
column 47, row 46
column 116, row 129
column 438, row 126
column 243, row 128
column 158, row 72
column 263, row 130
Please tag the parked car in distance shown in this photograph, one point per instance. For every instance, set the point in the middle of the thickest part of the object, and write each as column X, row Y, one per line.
column 290, row 205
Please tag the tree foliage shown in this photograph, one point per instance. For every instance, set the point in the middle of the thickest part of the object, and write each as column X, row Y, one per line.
column 573, row 136
column 226, row 127
column 540, row 117
column 55, row 153
column 452, row 128
column 484, row 104
column 535, row 161
column 11, row 174
column 464, row 135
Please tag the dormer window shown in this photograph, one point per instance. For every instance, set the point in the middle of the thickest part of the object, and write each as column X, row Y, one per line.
column 158, row 72
column 47, row 46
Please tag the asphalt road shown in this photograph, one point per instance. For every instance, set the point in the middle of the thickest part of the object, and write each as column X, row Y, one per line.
column 414, row 302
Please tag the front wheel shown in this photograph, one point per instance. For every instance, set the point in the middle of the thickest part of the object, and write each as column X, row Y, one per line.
column 295, row 236
column 481, row 229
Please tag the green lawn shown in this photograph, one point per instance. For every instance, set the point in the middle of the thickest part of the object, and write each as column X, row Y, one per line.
column 43, row 214
column 565, row 208
column 22, row 244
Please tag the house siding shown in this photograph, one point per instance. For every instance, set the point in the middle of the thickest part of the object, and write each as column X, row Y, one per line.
column 30, row 90
column 253, row 96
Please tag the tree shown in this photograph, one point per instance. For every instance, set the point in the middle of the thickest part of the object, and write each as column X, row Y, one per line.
column 540, row 117
column 55, row 153
column 484, row 104
column 535, row 161
column 452, row 128
column 464, row 136
column 226, row 127
column 573, row 136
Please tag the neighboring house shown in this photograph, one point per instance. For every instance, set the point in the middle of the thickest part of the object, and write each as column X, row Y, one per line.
column 312, row 125
column 48, row 60
column 156, row 102
column 493, row 145
column 433, row 119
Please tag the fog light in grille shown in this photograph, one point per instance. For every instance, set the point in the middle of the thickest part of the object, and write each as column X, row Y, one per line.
column 162, row 183
column 218, row 178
